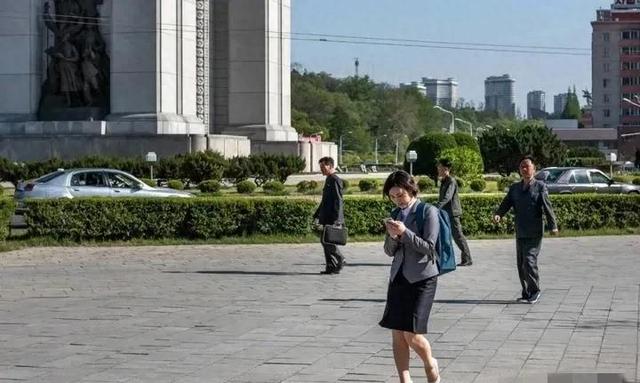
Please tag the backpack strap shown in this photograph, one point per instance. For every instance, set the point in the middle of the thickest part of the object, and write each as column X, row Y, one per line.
column 420, row 211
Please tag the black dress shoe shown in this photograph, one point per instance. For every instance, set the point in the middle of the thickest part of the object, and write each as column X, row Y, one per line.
column 468, row 263
column 330, row 271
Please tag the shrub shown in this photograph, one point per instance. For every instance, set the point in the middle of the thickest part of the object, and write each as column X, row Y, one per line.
column 211, row 217
column 307, row 186
column 636, row 181
column 209, row 186
column 466, row 162
column 273, row 188
column 505, row 182
column 175, row 184
column 246, row 187
column 345, row 184
column 619, row 179
column 7, row 208
column 467, row 141
column 584, row 161
column 238, row 170
column 200, row 166
column 491, row 178
column 428, row 148
column 585, row 151
column 149, row 182
column 367, row 185
column 425, row 184
column 478, row 185
column 461, row 182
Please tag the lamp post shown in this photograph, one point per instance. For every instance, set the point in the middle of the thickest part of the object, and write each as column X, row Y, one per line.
column 340, row 160
column 375, row 150
column 466, row 122
column 452, row 126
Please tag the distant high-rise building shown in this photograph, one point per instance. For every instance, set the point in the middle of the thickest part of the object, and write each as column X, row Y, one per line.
column 559, row 102
column 499, row 96
column 443, row 93
column 536, row 104
column 414, row 84
column 615, row 60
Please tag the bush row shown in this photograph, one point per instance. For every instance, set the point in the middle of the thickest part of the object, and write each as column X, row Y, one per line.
column 111, row 219
column 191, row 168
column 7, row 207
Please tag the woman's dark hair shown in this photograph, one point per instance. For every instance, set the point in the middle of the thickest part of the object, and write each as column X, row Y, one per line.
column 401, row 179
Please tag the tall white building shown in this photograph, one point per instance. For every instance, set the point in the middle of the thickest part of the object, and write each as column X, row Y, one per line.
column 443, row 93
column 536, row 104
column 499, row 95
column 414, row 84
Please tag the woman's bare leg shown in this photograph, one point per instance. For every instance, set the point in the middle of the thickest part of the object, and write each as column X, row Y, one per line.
column 421, row 346
column 401, row 355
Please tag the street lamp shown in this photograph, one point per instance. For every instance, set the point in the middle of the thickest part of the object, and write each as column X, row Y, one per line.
column 466, row 122
column 340, row 160
column 631, row 102
column 376, row 148
column 452, row 126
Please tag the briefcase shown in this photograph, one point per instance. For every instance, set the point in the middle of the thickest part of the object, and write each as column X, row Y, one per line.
column 334, row 235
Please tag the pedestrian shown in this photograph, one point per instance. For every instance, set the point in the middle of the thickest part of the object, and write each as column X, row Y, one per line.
column 413, row 277
column 449, row 201
column 331, row 212
column 529, row 199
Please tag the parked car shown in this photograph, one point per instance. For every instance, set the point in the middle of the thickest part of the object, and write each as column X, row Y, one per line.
column 582, row 180
column 76, row 183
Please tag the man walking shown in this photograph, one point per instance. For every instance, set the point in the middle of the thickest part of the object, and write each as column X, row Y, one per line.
column 449, row 201
column 330, row 212
column 529, row 199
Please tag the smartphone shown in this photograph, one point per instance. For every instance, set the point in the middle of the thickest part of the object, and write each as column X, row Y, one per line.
column 385, row 220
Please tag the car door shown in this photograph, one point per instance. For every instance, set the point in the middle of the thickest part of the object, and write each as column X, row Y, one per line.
column 600, row 182
column 578, row 182
column 121, row 184
column 88, row 184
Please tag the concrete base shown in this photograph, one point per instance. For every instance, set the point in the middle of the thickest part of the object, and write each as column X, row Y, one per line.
column 42, row 140
column 310, row 151
column 150, row 123
column 264, row 132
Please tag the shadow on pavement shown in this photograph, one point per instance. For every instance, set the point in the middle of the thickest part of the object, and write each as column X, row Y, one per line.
column 239, row 272
column 476, row 301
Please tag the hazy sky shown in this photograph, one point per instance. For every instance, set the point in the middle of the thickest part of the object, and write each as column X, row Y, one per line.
column 558, row 23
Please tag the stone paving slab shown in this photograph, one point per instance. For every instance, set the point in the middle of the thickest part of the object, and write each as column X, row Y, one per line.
column 263, row 314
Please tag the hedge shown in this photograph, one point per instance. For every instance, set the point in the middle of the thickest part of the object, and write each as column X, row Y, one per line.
column 7, row 207
column 127, row 218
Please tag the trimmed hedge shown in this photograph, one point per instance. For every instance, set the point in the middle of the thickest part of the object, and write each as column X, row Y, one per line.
column 7, row 208
column 127, row 218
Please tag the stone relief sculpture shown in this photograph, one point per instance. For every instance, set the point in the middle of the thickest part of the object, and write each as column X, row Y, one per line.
column 77, row 74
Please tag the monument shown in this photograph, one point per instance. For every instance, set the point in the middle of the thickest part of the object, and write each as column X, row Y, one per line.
column 127, row 77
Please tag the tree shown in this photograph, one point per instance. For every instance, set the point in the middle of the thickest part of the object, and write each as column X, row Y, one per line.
column 200, row 166
column 467, row 162
column 499, row 149
column 466, row 140
column 572, row 108
column 429, row 147
column 539, row 141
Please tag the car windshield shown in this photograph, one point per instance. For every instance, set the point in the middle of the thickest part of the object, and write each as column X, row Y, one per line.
column 48, row 177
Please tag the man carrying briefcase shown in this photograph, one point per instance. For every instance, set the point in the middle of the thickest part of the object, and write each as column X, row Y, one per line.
column 330, row 212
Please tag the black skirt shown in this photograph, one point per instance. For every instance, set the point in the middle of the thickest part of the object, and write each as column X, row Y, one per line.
column 409, row 304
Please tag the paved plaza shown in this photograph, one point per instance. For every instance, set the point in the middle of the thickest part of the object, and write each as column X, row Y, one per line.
column 263, row 314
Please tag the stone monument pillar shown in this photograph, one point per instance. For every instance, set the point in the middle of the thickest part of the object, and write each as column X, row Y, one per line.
column 153, row 68
column 255, row 67
column 20, row 64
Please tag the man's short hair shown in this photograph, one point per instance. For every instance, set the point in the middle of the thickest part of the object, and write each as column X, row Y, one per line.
column 527, row 157
column 327, row 161
column 445, row 162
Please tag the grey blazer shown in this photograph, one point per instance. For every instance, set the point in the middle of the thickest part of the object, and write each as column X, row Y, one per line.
column 449, row 200
column 415, row 254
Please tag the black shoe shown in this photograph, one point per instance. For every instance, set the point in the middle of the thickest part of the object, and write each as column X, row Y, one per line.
column 330, row 271
column 534, row 299
column 465, row 263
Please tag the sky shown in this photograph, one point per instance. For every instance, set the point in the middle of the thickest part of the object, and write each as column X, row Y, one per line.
column 559, row 23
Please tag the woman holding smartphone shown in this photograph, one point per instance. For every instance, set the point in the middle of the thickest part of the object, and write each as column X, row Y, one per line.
column 413, row 279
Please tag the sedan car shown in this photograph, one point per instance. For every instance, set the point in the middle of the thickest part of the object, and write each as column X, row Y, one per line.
column 76, row 183
column 571, row 180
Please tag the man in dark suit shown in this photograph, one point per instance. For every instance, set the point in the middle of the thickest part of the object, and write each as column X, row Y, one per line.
column 330, row 212
column 449, row 201
column 529, row 199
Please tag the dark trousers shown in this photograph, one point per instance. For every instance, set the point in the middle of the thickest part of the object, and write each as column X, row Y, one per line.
column 528, row 250
column 459, row 239
column 332, row 256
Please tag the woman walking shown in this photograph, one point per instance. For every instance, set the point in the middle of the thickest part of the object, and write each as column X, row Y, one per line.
column 413, row 280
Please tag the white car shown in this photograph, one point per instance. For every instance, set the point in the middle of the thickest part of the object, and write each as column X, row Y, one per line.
column 77, row 183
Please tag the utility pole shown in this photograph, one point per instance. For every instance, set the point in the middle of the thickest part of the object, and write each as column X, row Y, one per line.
column 357, row 65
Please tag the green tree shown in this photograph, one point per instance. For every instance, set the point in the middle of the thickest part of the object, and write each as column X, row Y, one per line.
column 499, row 149
column 429, row 147
column 539, row 141
column 572, row 108
column 200, row 166
column 466, row 140
column 467, row 162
